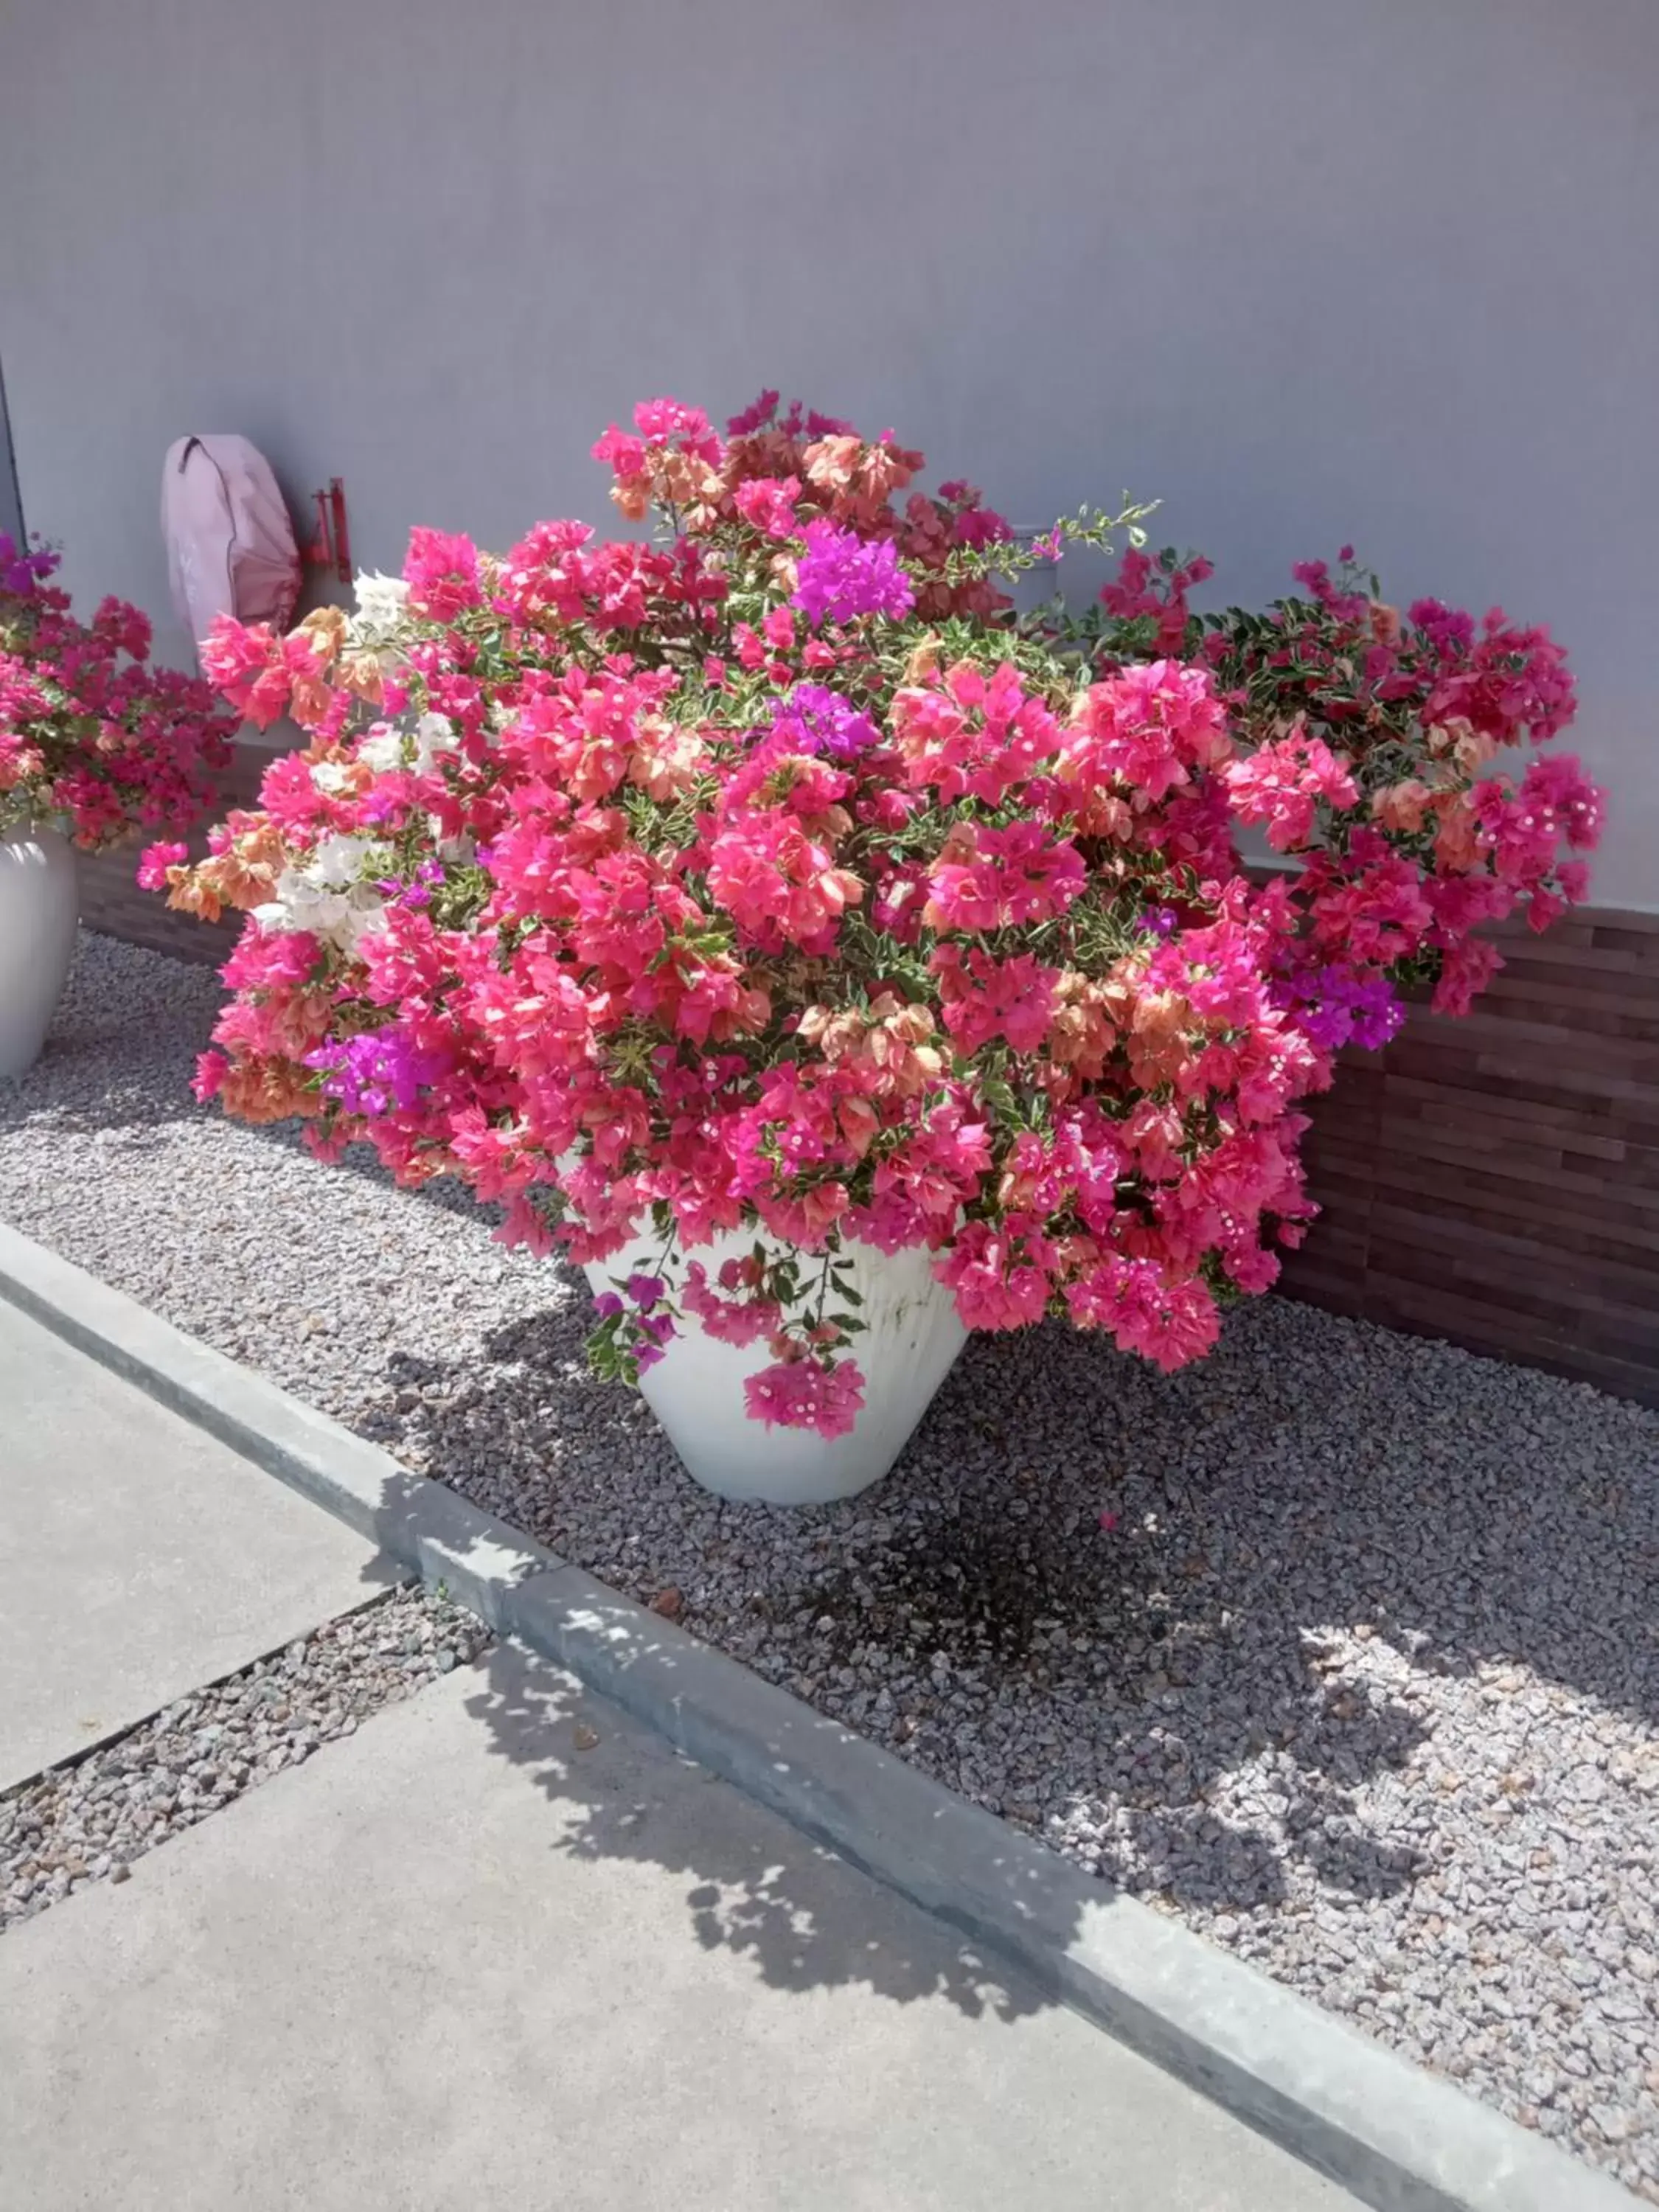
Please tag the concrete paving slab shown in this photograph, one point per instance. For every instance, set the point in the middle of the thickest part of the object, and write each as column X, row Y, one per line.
column 139, row 1556
column 504, row 1946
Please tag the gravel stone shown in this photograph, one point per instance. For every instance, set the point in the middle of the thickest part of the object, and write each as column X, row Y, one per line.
column 1362, row 1680
column 89, row 1822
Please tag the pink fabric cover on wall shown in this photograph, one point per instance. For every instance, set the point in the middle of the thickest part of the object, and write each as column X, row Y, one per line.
column 230, row 541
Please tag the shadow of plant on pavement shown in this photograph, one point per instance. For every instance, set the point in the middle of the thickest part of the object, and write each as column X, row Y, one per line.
column 754, row 1886
column 1300, row 1550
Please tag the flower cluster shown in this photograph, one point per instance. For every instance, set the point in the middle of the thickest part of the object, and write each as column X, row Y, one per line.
column 841, row 575
column 92, row 737
column 1367, row 742
column 768, row 881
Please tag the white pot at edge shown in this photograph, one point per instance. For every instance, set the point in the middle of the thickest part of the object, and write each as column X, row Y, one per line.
column 40, row 904
column 907, row 1347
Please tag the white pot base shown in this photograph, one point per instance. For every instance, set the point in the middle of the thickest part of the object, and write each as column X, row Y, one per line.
column 909, row 1345
column 40, row 906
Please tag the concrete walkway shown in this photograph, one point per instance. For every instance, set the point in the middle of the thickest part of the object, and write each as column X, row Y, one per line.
column 500, row 1947
column 472, row 1956
column 139, row 1558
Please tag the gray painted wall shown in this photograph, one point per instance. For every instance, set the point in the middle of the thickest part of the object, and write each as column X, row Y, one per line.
column 1309, row 270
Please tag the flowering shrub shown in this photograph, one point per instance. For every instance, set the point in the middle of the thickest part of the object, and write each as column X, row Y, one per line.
column 90, row 735
column 770, row 878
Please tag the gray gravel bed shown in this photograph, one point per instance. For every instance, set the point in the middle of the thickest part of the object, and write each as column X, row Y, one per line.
column 91, row 1819
column 1362, row 1680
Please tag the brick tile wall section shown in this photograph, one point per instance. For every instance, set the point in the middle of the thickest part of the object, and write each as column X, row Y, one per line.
column 1493, row 1181
column 112, row 902
column 1496, row 1181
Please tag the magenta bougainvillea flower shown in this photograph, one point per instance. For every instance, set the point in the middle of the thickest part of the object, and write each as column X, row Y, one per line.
column 841, row 576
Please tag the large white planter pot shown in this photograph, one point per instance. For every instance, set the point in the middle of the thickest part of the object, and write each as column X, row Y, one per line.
column 40, row 904
column 695, row 1390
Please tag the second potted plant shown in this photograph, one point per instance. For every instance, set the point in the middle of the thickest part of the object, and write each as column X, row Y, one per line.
column 94, row 744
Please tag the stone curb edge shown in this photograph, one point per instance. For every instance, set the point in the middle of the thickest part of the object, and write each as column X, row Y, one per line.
column 1399, row 2139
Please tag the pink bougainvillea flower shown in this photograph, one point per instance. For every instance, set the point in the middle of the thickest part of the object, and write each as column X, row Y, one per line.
column 804, row 1394
column 156, row 862
column 441, row 571
column 1282, row 784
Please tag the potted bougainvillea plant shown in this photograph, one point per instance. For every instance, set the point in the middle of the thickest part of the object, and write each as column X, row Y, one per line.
column 94, row 744
column 830, row 962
